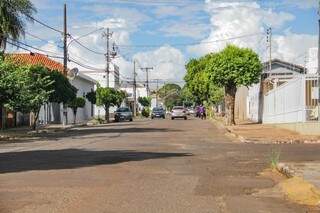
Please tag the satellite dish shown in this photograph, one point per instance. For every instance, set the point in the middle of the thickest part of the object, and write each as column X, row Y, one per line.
column 71, row 74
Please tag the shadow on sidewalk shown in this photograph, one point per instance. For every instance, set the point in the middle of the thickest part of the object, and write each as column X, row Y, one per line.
column 73, row 158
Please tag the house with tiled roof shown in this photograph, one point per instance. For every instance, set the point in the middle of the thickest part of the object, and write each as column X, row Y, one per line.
column 36, row 59
column 53, row 112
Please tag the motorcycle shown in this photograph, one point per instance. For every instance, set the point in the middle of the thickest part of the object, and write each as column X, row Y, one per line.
column 202, row 115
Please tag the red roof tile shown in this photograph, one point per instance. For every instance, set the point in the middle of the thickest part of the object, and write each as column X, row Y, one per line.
column 37, row 59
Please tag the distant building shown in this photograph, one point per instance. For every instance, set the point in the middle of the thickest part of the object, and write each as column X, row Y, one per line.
column 141, row 91
column 101, row 78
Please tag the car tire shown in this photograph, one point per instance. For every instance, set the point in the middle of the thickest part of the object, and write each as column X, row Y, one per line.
column 151, row 117
column 185, row 118
column 131, row 120
column 172, row 118
column 164, row 117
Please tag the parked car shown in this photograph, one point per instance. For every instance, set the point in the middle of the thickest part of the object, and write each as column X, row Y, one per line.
column 178, row 112
column 158, row 112
column 123, row 114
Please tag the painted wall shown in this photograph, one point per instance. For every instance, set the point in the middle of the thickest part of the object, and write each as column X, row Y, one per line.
column 53, row 112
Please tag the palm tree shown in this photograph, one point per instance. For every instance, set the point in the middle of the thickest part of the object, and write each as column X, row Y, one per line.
column 13, row 15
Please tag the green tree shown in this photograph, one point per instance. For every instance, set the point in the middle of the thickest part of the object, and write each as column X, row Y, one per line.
column 78, row 102
column 198, row 80
column 34, row 91
column 10, row 79
column 106, row 97
column 13, row 15
column 91, row 96
column 63, row 90
column 230, row 68
column 171, row 95
column 120, row 96
column 145, row 101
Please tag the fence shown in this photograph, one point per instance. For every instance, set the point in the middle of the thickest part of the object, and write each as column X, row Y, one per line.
column 294, row 101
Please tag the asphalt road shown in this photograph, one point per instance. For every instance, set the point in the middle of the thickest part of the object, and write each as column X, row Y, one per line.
column 144, row 166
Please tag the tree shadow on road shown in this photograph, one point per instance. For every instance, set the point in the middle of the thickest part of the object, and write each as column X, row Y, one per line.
column 73, row 158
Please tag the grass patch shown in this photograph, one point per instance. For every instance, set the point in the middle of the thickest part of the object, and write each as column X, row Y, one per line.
column 274, row 158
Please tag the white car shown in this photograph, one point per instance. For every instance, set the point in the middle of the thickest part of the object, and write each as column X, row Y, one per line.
column 178, row 112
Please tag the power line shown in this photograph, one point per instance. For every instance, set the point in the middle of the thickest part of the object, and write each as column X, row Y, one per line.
column 26, row 49
column 82, row 36
column 41, row 39
column 87, row 48
column 36, row 20
column 192, row 43
column 32, row 47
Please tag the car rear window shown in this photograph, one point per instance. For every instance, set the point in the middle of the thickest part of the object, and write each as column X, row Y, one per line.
column 178, row 108
column 157, row 109
column 123, row 110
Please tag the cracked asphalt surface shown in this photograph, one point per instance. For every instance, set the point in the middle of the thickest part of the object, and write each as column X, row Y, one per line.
column 143, row 166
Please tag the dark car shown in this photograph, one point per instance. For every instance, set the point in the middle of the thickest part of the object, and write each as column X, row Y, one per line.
column 158, row 112
column 123, row 114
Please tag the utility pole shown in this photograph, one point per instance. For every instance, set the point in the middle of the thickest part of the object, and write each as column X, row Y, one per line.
column 108, row 36
column 65, row 60
column 134, row 90
column 269, row 39
column 147, row 78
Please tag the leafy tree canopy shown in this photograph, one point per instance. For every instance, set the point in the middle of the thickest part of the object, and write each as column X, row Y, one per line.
column 63, row 91
column 13, row 15
column 78, row 102
column 234, row 66
column 145, row 101
column 91, row 96
column 34, row 91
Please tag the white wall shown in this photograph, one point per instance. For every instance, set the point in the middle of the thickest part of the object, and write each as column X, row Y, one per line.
column 286, row 103
column 253, row 102
column 84, row 86
column 312, row 64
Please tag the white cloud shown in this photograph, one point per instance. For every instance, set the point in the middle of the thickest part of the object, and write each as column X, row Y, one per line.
column 168, row 63
column 193, row 29
column 234, row 19
column 293, row 47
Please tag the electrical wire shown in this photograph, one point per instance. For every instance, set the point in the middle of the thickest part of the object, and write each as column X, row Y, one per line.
column 32, row 47
column 41, row 39
column 87, row 48
column 36, row 20
column 26, row 49
column 191, row 43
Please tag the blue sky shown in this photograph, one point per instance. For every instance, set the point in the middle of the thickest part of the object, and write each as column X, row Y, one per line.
column 165, row 23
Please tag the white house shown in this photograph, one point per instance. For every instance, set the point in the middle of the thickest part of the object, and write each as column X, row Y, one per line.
column 280, row 73
column 53, row 113
column 101, row 78
column 141, row 91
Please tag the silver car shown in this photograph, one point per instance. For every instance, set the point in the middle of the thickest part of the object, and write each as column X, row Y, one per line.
column 178, row 112
column 122, row 114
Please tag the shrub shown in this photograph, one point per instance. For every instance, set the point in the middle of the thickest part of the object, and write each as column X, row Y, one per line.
column 145, row 112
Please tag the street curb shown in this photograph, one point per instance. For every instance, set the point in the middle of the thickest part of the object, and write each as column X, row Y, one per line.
column 242, row 139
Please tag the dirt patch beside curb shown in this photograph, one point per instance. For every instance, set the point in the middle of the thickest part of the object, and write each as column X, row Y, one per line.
column 300, row 191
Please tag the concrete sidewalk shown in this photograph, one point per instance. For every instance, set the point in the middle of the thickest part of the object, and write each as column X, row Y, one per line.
column 263, row 133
